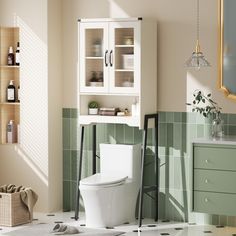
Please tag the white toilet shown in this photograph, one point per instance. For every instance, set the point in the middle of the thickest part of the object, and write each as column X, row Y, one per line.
column 110, row 196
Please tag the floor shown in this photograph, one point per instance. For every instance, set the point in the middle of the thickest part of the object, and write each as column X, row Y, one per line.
column 149, row 227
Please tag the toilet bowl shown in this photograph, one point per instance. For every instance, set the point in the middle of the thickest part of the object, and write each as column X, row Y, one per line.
column 110, row 196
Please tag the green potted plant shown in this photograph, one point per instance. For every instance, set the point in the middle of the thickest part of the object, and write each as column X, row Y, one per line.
column 204, row 105
column 93, row 108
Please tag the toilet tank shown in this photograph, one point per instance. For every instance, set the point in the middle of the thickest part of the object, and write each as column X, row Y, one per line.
column 120, row 160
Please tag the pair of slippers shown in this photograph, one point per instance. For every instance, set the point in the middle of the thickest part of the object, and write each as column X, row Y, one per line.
column 60, row 229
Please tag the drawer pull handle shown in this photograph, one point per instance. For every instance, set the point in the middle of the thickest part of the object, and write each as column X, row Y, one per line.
column 207, row 161
column 206, row 199
column 206, row 181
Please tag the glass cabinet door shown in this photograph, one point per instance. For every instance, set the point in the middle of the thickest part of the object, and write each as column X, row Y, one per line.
column 93, row 57
column 124, row 57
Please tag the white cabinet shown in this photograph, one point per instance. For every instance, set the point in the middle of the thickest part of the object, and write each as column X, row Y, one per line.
column 116, row 58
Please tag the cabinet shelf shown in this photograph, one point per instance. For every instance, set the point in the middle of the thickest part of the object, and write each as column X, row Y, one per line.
column 124, row 46
column 94, row 58
column 124, row 70
column 89, row 119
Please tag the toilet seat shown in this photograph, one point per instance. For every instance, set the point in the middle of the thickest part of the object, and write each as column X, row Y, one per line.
column 99, row 180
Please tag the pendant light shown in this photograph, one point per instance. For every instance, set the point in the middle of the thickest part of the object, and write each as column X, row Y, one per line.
column 197, row 59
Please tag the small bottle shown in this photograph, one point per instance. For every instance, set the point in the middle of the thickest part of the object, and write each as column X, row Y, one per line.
column 11, row 132
column 10, row 57
column 11, row 92
column 17, row 55
column 18, row 93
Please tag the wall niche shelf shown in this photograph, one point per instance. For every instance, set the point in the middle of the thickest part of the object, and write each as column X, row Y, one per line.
column 121, row 55
column 9, row 36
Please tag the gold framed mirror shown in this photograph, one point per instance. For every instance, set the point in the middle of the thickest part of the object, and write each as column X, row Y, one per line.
column 227, row 46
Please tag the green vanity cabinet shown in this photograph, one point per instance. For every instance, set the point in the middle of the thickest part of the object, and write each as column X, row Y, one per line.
column 214, row 177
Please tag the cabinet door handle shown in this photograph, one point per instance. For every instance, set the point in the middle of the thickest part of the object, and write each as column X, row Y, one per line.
column 111, row 58
column 206, row 181
column 206, row 199
column 105, row 58
column 207, row 161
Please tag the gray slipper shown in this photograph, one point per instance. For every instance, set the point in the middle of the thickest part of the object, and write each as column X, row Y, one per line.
column 64, row 229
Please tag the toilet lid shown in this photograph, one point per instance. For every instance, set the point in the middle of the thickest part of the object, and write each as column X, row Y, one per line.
column 100, row 180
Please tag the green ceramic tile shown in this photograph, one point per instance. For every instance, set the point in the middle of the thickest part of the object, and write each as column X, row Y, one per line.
column 232, row 130
column 74, row 167
column 170, row 138
column 184, row 117
column 161, row 207
column 66, row 112
column 151, row 137
column 223, row 220
column 200, row 119
column 73, row 134
column 120, row 133
column 162, row 135
column 225, row 117
column 129, row 134
column 111, row 133
column 73, row 188
column 66, row 133
column 162, row 117
column 200, row 131
column 74, row 113
column 169, row 117
column 231, row 221
column 191, row 118
column 66, row 164
column 181, row 169
column 215, row 220
column 66, row 196
column 88, row 138
column 232, row 119
column 101, row 133
column 177, row 134
column 207, row 130
column 178, row 117
column 138, row 135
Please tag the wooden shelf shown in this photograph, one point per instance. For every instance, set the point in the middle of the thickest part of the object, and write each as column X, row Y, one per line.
column 10, row 103
column 89, row 119
column 6, row 66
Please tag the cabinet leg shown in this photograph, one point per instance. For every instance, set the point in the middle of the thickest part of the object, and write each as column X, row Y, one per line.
column 79, row 174
column 140, row 213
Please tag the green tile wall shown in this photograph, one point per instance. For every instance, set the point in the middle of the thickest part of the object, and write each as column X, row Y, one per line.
column 176, row 129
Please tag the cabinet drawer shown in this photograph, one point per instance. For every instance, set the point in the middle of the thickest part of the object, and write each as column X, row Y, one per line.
column 215, row 203
column 215, row 181
column 220, row 158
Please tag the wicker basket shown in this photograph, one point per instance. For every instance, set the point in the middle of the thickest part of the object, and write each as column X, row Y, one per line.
column 12, row 210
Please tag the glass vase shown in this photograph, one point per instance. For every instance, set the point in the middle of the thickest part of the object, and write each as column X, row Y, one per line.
column 217, row 130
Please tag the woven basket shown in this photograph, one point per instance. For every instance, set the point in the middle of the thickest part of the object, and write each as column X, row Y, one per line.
column 12, row 210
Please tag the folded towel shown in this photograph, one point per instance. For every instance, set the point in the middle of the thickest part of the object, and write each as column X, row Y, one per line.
column 28, row 196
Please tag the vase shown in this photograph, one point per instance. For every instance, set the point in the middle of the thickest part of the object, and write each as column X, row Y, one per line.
column 217, row 130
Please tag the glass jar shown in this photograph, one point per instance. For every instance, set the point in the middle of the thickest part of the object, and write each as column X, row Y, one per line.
column 217, row 130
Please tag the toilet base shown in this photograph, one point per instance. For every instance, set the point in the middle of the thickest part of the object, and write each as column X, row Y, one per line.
column 109, row 206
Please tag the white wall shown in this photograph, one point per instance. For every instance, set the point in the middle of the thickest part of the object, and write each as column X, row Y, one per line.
column 176, row 22
column 37, row 161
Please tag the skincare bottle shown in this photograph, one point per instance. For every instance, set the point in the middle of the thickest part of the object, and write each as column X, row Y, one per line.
column 11, row 92
column 11, row 132
column 10, row 57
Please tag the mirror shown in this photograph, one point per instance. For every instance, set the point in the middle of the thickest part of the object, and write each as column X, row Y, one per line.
column 227, row 60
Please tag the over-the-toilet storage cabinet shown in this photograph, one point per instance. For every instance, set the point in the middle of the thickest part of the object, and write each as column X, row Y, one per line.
column 117, row 66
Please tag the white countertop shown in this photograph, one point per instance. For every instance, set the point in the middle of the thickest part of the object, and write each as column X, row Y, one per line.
column 228, row 140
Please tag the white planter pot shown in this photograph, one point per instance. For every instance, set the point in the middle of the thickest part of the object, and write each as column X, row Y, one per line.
column 93, row 111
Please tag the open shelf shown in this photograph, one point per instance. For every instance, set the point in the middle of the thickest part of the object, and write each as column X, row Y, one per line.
column 129, row 120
